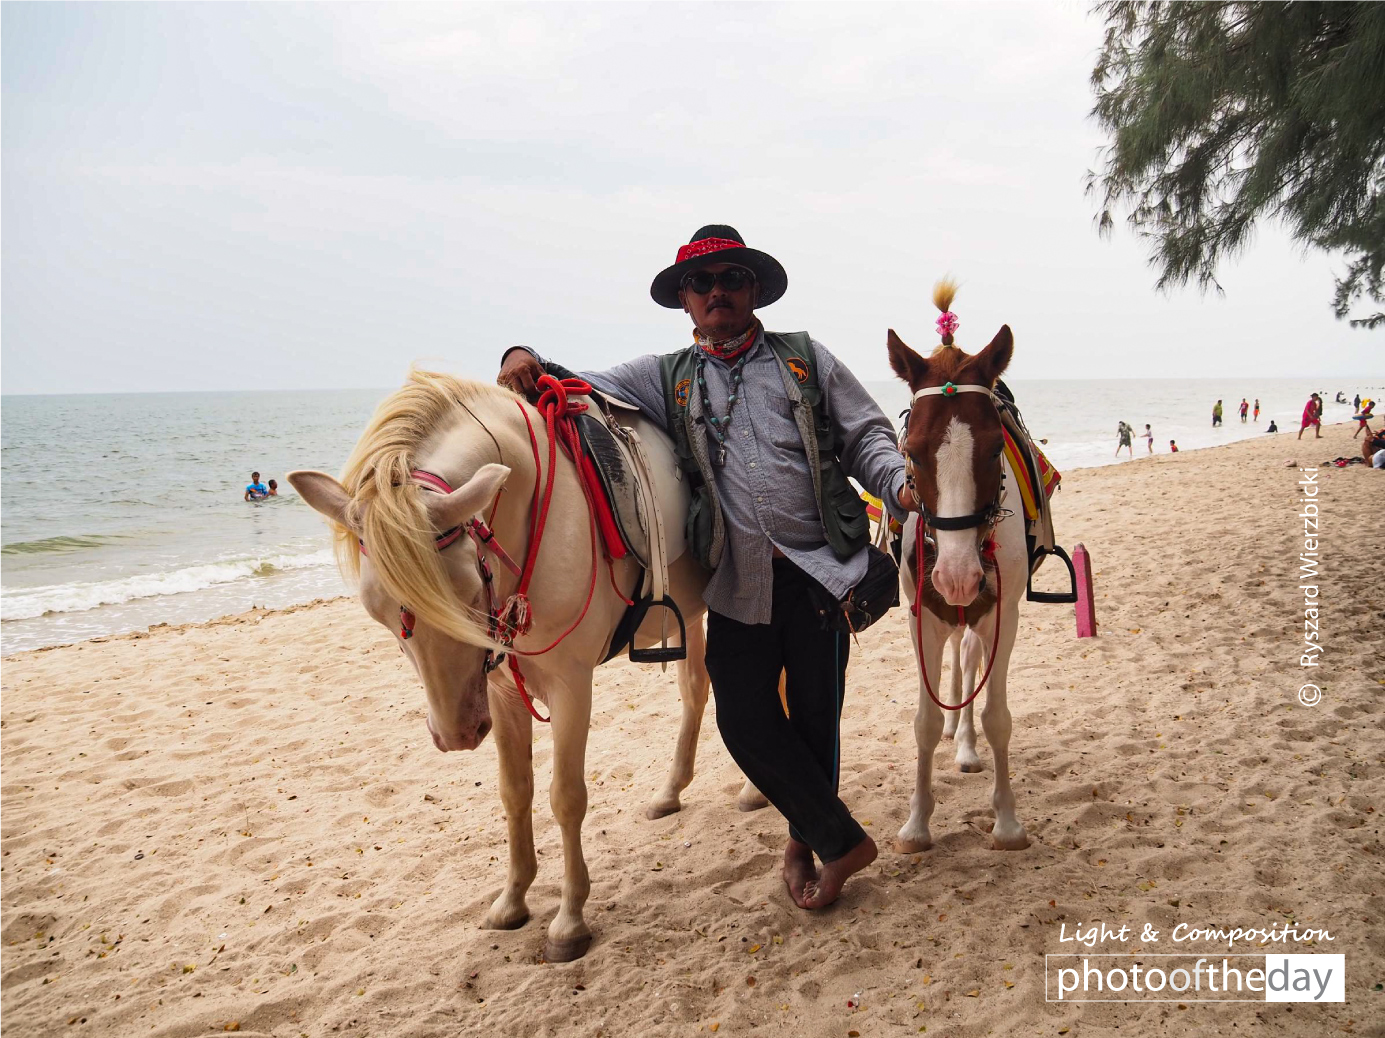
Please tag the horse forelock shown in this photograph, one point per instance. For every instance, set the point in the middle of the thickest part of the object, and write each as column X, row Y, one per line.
column 388, row 507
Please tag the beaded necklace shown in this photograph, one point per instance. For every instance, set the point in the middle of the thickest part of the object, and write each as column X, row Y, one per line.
column 719, row 425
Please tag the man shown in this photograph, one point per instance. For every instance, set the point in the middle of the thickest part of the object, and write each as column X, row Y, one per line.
column 737, row 403
column 256, row 491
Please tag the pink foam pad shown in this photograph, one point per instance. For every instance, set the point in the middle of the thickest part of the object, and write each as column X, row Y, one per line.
column 1086, row 605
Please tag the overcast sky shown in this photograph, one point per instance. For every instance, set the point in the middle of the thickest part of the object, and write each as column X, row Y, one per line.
column 219, row 196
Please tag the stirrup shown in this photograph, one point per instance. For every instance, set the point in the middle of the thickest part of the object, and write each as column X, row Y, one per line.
column 663, row 653
column 1051, row 597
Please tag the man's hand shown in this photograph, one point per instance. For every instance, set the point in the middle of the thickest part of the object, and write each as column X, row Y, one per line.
column 520, row 372
column 907, row 501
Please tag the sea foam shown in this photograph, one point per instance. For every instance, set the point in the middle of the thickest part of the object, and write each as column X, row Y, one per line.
column 26, row 603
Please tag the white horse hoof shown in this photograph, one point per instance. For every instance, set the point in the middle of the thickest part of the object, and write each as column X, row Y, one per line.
column 662, row 808
column 1014, row 840
column 752, row 803
column 912, row 844
column 501, row 921
column 566, row 950
column 969, row 767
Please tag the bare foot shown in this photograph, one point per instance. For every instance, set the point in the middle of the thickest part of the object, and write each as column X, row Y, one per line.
column 799, row 870
column 824, row 890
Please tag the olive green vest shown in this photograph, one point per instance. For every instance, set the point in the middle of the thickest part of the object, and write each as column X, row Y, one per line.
column 843, row 512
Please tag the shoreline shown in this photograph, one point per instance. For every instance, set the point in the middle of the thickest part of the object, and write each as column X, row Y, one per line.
column 258, row 611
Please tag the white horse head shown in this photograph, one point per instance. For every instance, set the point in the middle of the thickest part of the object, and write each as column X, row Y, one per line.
column 954, row 445
column 387, row 526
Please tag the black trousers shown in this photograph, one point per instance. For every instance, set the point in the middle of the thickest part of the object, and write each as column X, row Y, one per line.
column 794, row 760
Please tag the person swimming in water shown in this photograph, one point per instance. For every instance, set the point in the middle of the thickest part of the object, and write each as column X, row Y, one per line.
column 273, row 489
column 1216, row 414
column 1173, row 447
column 256, row 491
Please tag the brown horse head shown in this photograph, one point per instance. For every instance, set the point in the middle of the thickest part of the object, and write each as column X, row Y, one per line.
column 954, row 443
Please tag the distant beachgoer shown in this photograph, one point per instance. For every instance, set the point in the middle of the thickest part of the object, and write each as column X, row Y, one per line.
column 273, row 489
column 1357, row 402
column 256, row 491
column 1149, row 438
column 1257, row 409
column 1312, row 415
column 1216, row 414
column 1173, row 447
column 1273, row 427
column 1245, row 409
column 1124, row 431
column 1363, row 419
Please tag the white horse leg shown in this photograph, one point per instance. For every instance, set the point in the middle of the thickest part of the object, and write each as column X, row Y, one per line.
column 954, row 642
column 928, row 729
column 693, row 684
column 1008, row 834
column 570, row 706
column 515, row 751
column 967, row 760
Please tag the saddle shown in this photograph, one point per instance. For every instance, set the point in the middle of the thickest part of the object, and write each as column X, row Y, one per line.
column 1037, row 481
column 636, row 474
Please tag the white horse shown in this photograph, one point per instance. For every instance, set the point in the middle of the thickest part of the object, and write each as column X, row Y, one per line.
column 974, row 568
column 423, row 555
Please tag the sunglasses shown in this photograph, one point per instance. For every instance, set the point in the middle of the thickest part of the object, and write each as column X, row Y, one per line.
column 733, row 279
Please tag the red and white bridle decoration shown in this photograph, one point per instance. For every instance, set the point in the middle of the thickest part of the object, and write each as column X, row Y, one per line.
column 514, row 617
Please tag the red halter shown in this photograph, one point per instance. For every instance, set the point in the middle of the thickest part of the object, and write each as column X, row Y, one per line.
column 515, row 617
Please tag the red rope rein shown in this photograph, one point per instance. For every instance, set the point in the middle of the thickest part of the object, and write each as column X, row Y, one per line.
column 989, row 552
column 516, row 617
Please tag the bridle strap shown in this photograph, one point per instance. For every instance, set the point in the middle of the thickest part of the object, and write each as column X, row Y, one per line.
column 979, row 518
column 948, row 389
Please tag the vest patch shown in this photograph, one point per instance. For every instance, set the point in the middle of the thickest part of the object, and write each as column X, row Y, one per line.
column 799, row 368
column 680, row 392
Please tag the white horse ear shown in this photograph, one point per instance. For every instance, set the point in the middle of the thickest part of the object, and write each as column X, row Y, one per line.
column 323, row 493
column 471, row 497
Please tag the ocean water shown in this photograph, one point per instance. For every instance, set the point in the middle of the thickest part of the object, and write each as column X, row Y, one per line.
column 124, row 511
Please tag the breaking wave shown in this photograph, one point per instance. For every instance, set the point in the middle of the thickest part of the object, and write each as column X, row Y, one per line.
column 25, row 603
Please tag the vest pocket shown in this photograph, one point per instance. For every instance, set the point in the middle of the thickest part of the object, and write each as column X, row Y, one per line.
column 698, row 528
column 851, row 514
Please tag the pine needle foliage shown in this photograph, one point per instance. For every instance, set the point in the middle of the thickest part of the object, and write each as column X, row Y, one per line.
column 1223, row 114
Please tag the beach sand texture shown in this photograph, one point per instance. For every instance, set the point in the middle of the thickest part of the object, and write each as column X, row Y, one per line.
column 243, row 825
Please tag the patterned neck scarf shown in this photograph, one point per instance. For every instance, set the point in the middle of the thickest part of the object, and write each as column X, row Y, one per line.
column 728, row 350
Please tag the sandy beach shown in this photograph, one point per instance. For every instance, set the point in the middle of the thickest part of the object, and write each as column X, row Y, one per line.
column 243, row 825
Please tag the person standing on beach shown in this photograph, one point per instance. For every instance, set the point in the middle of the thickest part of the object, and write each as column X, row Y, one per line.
column 1257, row 409
column 1216, row 414
column 1149, row 438
column 1173, row 447
column 256, row 491
column 1245, row 408
column 1363, row 419
column 1312, row 415
column 1123, row 431
column 1356, row 404
column 771, row 543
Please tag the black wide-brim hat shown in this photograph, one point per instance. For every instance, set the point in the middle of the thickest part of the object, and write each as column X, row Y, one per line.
column 718, row 243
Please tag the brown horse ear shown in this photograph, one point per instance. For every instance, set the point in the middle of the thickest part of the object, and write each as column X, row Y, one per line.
column 907, row 364
column 991, row 362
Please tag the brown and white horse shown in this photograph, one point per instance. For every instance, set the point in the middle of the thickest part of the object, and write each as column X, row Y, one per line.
column 430, row 573
column 965, row 563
